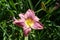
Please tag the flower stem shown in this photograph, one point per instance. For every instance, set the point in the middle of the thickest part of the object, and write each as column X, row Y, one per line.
column 38, row 10
column 26, row 38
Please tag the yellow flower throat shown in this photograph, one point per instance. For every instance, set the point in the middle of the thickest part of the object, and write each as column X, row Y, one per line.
column 29, row 22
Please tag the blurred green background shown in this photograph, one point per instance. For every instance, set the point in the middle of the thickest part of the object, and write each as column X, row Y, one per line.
column 47, row 10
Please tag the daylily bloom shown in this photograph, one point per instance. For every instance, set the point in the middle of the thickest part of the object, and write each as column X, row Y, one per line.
column 28, row 21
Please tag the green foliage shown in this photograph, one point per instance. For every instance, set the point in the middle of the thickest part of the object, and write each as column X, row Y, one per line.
column 47, row 10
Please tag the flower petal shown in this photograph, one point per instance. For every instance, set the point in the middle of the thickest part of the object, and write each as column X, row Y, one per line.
column 29, row 14
column 18, row 22
column 37, row 26
column 36, row 18
column 21, row 15
column 26, row 31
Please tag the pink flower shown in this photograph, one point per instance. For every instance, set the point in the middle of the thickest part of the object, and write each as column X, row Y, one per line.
column 28, row 21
